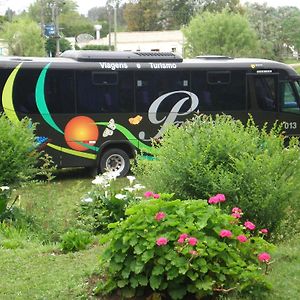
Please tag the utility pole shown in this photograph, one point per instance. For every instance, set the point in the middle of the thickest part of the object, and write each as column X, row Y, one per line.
column 56, row 25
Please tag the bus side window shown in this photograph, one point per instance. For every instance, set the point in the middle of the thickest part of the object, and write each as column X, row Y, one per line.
column 265, row 93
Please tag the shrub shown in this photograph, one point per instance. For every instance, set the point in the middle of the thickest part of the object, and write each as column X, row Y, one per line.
column 75, row 240
column 180, row 248
column 104, row 204
column 17, row 154
column 250, row 165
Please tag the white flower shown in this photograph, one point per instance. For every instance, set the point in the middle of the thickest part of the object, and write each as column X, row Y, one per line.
column 112, row 175
column 87, row 200
column 100, row 180
column 138, row 187
column 120, row 196
column 4, row 187
column 131, row 179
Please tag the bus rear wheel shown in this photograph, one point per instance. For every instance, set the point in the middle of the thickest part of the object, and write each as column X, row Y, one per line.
column 115, row 160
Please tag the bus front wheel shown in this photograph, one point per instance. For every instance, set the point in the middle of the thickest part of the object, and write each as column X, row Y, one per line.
column 115, row 160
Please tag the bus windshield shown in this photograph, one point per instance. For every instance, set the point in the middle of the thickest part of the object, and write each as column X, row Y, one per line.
column 290, row 95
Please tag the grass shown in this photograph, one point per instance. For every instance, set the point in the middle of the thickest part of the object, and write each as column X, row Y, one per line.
column 33, row 267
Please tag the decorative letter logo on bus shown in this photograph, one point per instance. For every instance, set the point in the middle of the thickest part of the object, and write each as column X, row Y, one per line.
column 171, row 117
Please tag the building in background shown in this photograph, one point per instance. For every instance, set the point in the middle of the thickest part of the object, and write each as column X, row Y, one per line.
column 163, row 41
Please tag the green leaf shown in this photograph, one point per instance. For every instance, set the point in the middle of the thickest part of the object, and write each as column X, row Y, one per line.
column 122, row 283
column 155, row 281
column 134, row 282
column 142, row 279
column 128, row 292
column 147, row 255
column 157, row 270
column 172, row 273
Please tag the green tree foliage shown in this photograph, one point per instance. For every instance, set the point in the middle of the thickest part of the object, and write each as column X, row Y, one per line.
column 216, row 6
column 17, row 149
column 176, row 13
column 266, row 23
column 143, row 15
column 290, row 26
column 23, row 37
column 73, row 24
column 220, row 34
column 51, row 45
column 41, row 11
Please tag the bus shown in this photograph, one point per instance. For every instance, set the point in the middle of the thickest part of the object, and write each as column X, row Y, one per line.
column 97, row 109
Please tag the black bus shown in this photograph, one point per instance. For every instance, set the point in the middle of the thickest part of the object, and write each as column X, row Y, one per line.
column 96, row 109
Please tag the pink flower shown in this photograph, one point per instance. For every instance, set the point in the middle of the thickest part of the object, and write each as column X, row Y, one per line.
column 148, row 194
column 225, row 233
column 156, row 196
column 182, row 238
column 264, row 231
column 221, row 197
column 213, row 200
column 159, row 216
column 161, row 241
column 249, row 225
column 236, row 215
column 192, row 241
column 193, row 252
column 242, row 238
column 236, row 210
column 264, row 257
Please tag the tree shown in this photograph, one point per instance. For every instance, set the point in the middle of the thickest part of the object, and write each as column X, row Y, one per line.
column 24, row 37
column 176, row 13
column 220, row 34
column 51, row 45
column 143, row 15
column 290, row 25
column 216, row 6
column 266, row 22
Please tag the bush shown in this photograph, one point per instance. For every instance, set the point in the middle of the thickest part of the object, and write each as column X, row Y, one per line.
column 180, row 248
column 17, row 151
column 75, row 240
column 105, row 204
column 251, row 166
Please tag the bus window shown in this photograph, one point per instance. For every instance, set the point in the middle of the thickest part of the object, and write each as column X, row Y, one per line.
column 126, row 92
column 152, row 85
column 288, row 99
column 220, row 91
column 24, row 91
column 265, row 92
column 59, row 91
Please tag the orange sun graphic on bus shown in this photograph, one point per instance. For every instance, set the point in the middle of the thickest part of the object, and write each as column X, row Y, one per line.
column 79, row 130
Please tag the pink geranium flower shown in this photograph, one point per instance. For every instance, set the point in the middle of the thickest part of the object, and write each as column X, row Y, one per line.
column 236, row 215
column 264, row 231
column 242, row 238
column 225, row 233
column 213, row 200
column 249, row 225
column 192, row 241
column 264, row 257
column 236, row 210
column 161, row 241
column 160, row 215
column 221, row 197
column 182, row 238
column 156, row 196
column 193, row 252
column 148, row 194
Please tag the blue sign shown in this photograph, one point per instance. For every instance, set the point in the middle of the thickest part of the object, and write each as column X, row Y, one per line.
column 49, row 30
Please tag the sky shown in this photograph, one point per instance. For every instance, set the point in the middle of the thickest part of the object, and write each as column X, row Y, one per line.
column 85, row 5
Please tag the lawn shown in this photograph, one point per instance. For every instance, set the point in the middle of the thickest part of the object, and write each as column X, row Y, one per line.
column 34, row 267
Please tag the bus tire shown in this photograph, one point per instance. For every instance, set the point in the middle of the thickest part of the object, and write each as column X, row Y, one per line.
column 115, row 160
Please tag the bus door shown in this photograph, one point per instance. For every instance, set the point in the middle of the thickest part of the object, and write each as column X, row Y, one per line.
column 263, row 98
column 289, row 106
